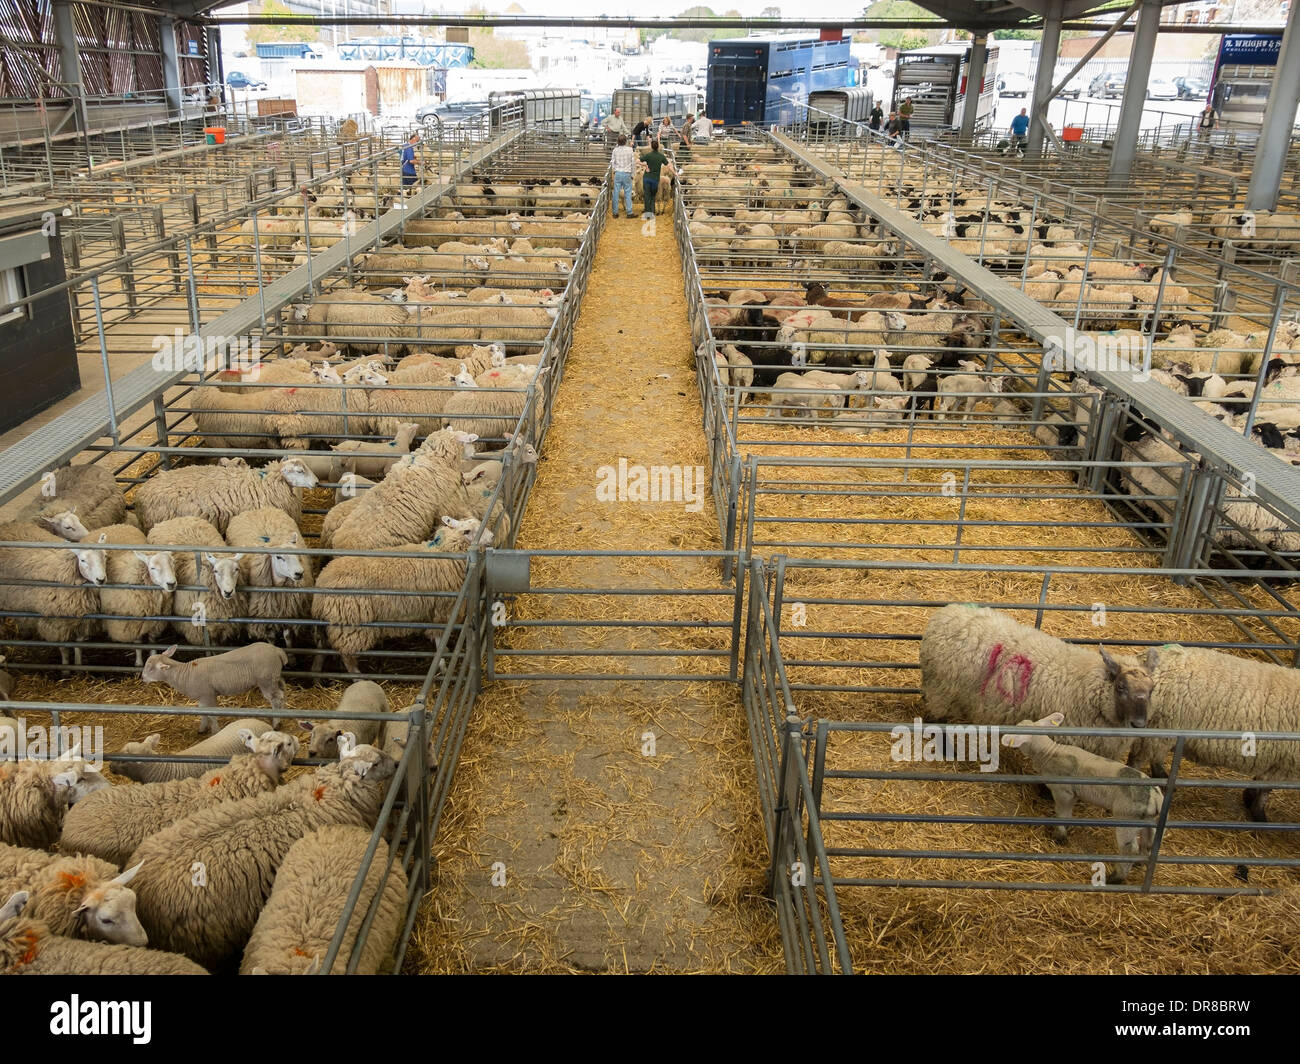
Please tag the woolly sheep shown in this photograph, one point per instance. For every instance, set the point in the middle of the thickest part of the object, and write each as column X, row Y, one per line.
column 965, row 390
column 261, row 573
column 28, row 947
column 32, row 804
column 353, row 619
column 294, row 931
column 374, row 459
column 135, row 614
column 217, row 493
column 230, row 421
column 1051, row 758
column 363, row 696
column 211, row 925
column 814, row 396
column 223, row 745
column 111, row 824
column 234, row 672
column 60, row 610
column 981, row 666
column 82, row 778
column 205, row 614
column 406, row 505
column 75, row 498
column 364, row 322
column 76, row 896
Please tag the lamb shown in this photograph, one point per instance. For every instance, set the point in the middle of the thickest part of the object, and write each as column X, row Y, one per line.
column 297, row 925
column 203, row 679
column 964, row 389
column 206, row 614
column 32, row 803
column 740, row 370
column 980, row 666
column 222, row 746
column 405, row 505
column 1051, row 758
column 28, row 947
column 112, row 824
column 76, row 896
column 211, row 925
column 352, row 619
column 135, row 614
column 261, row 574
column 816, row 396
column 376, row 459
column 363, row 696
column 55, row 610
column 75, row 498
column 218, row 493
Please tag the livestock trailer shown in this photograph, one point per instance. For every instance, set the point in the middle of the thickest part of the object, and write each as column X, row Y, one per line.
column 558, row 110
column 766, row 79
column 847, row 105
column 645, row 103
column 934, row 79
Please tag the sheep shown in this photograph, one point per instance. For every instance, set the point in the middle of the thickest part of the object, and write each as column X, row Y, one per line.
column 32, row 803
column 1051, row 758
column 73, row 499
column 964, row 389
column 230, row 421
column 363, row 696
column 350, row 486
column 1167, row 225
column 203, row 679
column 518, row 328
column 406, row 505
column 112, row 824
column 485, row 411
column 352, row 619
column 294, row 931
column 980, row 666
column 135, row 614
column 77, row 896
column 815, row 395
column 212, row 924
column 82, row 778
column 740, row 370
column 268, row 526
column 362, row 321
column 28, row 947
column 206, row 613
column 218, row 493
column 814, row 237
column 223, row 745
column 375, row 459
column 297, row 416
column 513, row 271
column 60, row 611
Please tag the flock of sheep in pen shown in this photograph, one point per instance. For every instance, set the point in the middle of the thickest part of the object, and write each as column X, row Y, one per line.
column 402, row 395
column 857, row 336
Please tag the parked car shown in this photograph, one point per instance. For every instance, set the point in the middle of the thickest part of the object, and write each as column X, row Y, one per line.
column 1191, row 88
column 238, row 80
column 451, row 113
column 1013, row 83
column 1071, row 91
column 1161, row 89
column 1108, row 86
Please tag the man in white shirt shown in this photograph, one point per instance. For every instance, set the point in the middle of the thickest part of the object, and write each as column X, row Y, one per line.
column 614, row 123
column 622, row 161
column 702, row 129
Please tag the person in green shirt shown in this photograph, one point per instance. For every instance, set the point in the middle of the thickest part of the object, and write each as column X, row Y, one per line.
column 905, row 116
column 655, row 162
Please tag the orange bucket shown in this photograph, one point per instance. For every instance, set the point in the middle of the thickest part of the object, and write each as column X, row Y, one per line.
column 1072, row 133
column 215, row 134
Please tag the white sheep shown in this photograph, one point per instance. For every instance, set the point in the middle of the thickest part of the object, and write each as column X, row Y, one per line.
column 208, row 595
column 135, row 614
column 69, row 578
column 217, row 493
column 223, row 745
column 32, row 803
column 1127, row 802
column 28, row 947
column 275, row 584
column 77, row 896
column 75, row 498
column 964, row 389
column 294, row 931
column 362, row 696
column 234, row 672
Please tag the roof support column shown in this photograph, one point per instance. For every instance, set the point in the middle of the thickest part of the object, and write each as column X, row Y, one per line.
column 70, row 60
column 1135, row 92
column 171, row 66
column 216, row 68
column 1279, row 119
column 1050, row 45
column 979, row 52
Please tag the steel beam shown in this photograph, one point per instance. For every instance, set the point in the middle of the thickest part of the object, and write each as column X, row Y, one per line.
column 1276, row 483
column 1135, row 92
column 171, row 66
column 1279, row 120
column 69, row 60
column 979, row 53
column 56, row 442
column 1049, row 46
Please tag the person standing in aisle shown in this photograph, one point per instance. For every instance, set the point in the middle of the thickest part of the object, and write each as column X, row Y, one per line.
column 1020, row 130
column 905, row 118
column 655, row 162
column 1206, row 123
column 409, row 175
column 702, row 131
column 642, row 129
column 621, row 162
column 877, row 116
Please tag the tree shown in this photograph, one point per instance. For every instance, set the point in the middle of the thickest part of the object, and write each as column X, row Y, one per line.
column 492, row 52
column 771, row 12
column 1017, row 35
column 902, row 9
column 279, row 34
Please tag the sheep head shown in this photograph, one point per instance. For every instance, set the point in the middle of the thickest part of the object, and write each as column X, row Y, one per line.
column 225, row 572
column 65, row 524
column 107, row 912
column 159, row 568
column 1133, row 683
column 296, row 473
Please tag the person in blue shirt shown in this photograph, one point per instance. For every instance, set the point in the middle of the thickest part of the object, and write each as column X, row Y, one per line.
column 1020, row 128
column 409, row 175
